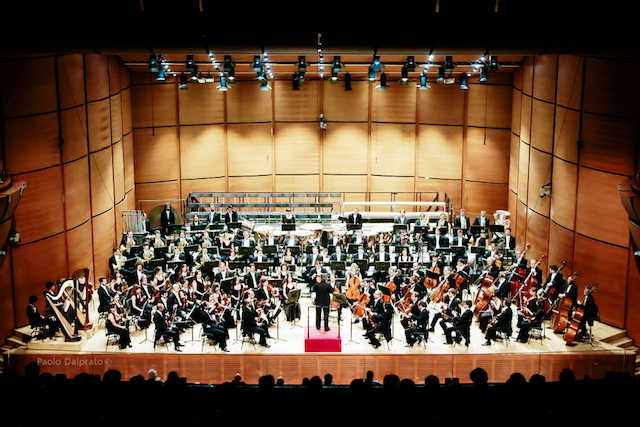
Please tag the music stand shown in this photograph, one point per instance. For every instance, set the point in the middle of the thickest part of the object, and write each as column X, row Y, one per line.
column 494, row 228
column 263, row 265
column 338, row 265
column 477, row 229
column 289, row 227
column 295, row 250
column 382, row 265
column 351, row 226
column 156, row 262
column 405, row 264
column 236, row 265
column 352, row 248
column 422, row 229
column 363, row 264
column 234, row 225
column 199, row 227
column 270, row 249
column 226, row 285
column 398, row 227
column 331, row 249
column 135, row 250
column 246, row 251
column 176, row 265
column 458, row 250
column 175, row 228
column 214, row 227
column 191, row 248
column 477, row 250
column 161, row 251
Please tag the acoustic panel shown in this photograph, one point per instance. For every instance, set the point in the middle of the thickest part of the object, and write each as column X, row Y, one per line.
column 441, row 105
column 101, row 176
column 569, row 81
column 346, row 105
column 294, row 183
column 118, row 171
column 296, row 146
column 99, row 124
column 115, row 104
column 247, row 103
column 155, row 153
column 345, row 148
column 31, row 143
column 71, row 80
column 77, row 195
column 523, row 172
column 104, row 240
column 490, row 197
column 346, row 183
column 154, row 104
column 610, row 89
column 202, row 185
column 251, row 184
column 542, row 125
column 563, row 193
column 490, row 106
column 525, row 118
column 488, row 154
column 96, row 76
column 600, row 134
column 527, row 75
column 127, row 116
column 201, row 104
column 545, row 71
column 74, row 133
column 129, row 164
column 296, row 105
column 514, row 165
column 393, row 149
column 397, row 104
column 567, row 134
column 539, row 175
column 114, row 74
column 440, row 152
column 202, row 151
column 250, row 149
column 28, row 86
column 80, row 249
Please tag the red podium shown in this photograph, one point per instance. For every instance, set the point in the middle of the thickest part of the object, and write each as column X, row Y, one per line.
column 321, row 341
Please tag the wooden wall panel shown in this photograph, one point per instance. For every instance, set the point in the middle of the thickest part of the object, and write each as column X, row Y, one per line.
column 611, row 89
column 114, row 74
column 523, row 174
column 567, row 134
column 201, row 104
column 8, row 305
column 517, row 78
column 390, row 184
column 294, row 183
column 118, row 172
column 527, row 76
column 606, row 266
column 125, row 76
column 346, row 105
column 34, row 265
column 28, row 87
column 563, row 193
column 250, row 183
column 486, row 153
column 77, row 197
column 345, row 148
column 525, row 119
column 542, row 125
column 392, row 149
column 202, row 185
column 440, row 152
column 600, row 134
column 155, row 153
column 74, row 133
column 250, row 151
column 516, row 111
column 154, row 105
column 40, row 212
column 80, row 249
column 296, row 105
column 31, row 143
column 202, row 151
column 104, row 240
column 522, row 230
column 489, row 106
column 632, row 296
column 441, row 105
column 514, row 162
column 129, row 174
column 561, row 248
column 340, row 183
column 570, row 81
column 101, row 170
column 452, row 188
column 544, row 77
column 297, row 148
column 539, row 175
column 246, row 103
column 167, row 190
column 125, row 95
column 71, row 80
column 600, row 213
column 99, row 124
column 115, row 103
column 487, row 196
column 397, row 104
column 512, row 208
column 537, row 233
column 97, row 76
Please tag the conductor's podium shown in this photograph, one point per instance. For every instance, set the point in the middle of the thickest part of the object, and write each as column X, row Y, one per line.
column 321, row 341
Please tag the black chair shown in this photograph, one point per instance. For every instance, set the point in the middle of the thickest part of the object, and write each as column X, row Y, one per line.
column 111, row 336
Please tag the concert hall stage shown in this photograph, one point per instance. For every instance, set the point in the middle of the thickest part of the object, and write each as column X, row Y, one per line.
column 287, row 357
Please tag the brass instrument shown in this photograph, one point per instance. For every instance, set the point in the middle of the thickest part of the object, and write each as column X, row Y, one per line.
column 120, row 261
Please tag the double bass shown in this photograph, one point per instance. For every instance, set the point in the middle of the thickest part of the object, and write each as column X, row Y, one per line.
column 485, row 292
column 576, row 319
column 563, row 306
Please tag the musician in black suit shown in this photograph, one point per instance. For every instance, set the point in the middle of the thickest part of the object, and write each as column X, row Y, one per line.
column 590, row 307
column 37, row 319
column 402, row 219
column 416, row 323
column 213, row 217
column 163, row 327
column 450, row 300
column 231, row 215
column 509, row 240
column 461, row 325
column 570, row 291
column 554, row 279
column 323, row 291
column 501, row 323
column 167, row 218
column 253, row 324
column 313, row 257
column 104, row 295
column 437, row 240
column 288, row 217
column 213, row 326
column 503, row 285
column 338, row 255
column 355, row 217
column 482, row 220
column 252, row 278
column 381, row 314
column 223, row 272
column 462, row 222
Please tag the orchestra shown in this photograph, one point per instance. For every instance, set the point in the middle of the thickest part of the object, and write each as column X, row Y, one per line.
column 446, row 273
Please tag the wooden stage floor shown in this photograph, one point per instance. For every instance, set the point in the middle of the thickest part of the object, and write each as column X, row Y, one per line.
column 287, row 357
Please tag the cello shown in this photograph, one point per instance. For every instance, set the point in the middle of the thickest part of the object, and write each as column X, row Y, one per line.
column 485, row 293
column 353, row 292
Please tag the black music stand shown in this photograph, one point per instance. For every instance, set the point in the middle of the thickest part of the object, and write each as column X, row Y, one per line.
column 422, row 229
column 264, row 265
column 191, row 248
column 199, row 227
column 246, row 251
column 175, row 228
column 363, row 264
column 294, row 297
column 382, row 265
column 234, row 225
column 156, row 262
column 338, row 265
column 405, row 264
column 352, row 248
column 226, row 285
column 135, row 250
column 398, row 227
column 351, row 226
column 160, row 252
column 289, row 227
column 214, row 226
column 295, row 250
column 477, row 229
column 175, row 265
column 236, row 265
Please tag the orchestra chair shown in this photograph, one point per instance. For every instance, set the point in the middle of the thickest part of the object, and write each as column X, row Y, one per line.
column 422, row 338
column 39, row 332
column 205, row 337
column 111, row 337
column 165, row 339
column 538, row 332
column 380, row 337
column 503, row 336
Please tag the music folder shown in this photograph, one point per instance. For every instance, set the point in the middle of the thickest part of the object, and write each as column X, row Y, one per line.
column 398, row 227
column 338, row 265
column 234, row 225
column 382, row 265
column 289, row 227
column 270, row 249
column 236, row 265
column 351, row 226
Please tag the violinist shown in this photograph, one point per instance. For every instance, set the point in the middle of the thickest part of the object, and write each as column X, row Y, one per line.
column 137, row 301
column 231, row 216
column 417, row 323
column 503, row 285
column 530, row 316
column 460, row 325
column 360, row 255
column 358, row 238
column 404, row 256
column 213, row 326
column 491, row 268
column 501, row 323
column 105, row 294
column 438, row 240
column 288, row 258
column 450, row 303
column 463, row 273
column 116, row 325
column 313, row 256
column 253, row 323
column 175, row 300
column 162, row 321
column 223, row 272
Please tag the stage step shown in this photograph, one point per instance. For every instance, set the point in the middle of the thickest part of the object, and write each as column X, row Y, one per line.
column 622, row 333
column 624, row 342
column 15, row 342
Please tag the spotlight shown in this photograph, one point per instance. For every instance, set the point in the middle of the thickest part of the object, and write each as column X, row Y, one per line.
column 493, row 63
column 153, row 63
column 209, row 78
column 383, row 82
column 161, row 75
column 405, row 76
column 372, row 74
column 301, row 76
column 334, row 76
column 423, row 81
column 336, row 65
column 183, row 81
column 264, row 85
column 483, row 73
column 440, row 78
column 448, row 63
column 223, row 83
column 261, row 76
column 376, row 65
column 295, row 83
column 463, row 81
column 191, row 65
column 347, row 81
column 200, row 78
column 302, row 64
column 256, row 64
column 229, row 67
column 411, row 64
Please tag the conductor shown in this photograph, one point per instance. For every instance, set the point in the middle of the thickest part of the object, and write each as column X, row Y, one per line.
column 323, row 299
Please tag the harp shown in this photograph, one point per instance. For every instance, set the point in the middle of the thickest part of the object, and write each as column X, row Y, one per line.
column 70, row 305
